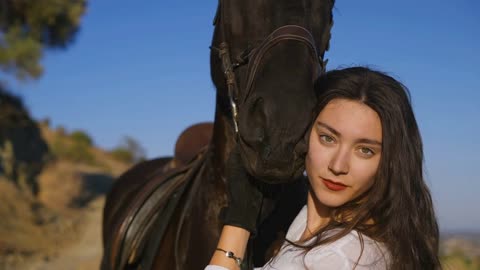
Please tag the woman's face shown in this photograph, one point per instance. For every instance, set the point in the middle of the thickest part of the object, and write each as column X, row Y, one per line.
column 344, row 151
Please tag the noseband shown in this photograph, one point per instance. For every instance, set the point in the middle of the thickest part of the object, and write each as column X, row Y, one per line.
column 255, row 56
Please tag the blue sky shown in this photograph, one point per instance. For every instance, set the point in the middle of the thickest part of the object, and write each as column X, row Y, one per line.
column 142, row 70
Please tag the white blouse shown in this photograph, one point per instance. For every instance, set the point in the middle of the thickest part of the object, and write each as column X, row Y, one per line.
column 341, row 254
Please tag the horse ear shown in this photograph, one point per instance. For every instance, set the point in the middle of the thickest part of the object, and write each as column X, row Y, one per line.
column 217, row 13
column 321, row 23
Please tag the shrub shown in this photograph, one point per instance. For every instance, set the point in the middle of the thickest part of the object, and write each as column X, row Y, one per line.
column 81, row 138
column 129, row 151
column 122, row 154
column 76, row 150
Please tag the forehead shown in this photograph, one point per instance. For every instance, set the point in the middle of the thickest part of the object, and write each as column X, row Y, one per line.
column 352, row 118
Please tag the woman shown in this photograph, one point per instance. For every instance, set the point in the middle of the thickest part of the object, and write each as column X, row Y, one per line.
column 368, row 206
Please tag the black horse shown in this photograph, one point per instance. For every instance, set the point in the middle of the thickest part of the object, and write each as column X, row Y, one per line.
column 265, row 57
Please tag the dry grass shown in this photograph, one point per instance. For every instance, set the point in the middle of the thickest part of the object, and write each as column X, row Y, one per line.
column 64, row 185
column 27, row 228
column 39, row 230
column 94, row 157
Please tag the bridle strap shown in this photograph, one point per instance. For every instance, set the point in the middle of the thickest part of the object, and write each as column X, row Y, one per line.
column 227, row 67
column 287, row 32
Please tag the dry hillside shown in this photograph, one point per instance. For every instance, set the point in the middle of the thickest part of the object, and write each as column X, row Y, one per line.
column 59, row 228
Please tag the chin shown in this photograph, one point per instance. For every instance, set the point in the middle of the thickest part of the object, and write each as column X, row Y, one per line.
column 332, row 204
column 330, row 200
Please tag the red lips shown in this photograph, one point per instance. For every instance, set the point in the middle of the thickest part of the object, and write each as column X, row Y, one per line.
column 334, row 186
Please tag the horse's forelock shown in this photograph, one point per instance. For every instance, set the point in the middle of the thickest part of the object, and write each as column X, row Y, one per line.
column 248, row 22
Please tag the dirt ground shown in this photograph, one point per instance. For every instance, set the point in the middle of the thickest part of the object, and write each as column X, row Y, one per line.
column 81, row 252
column 58, row 228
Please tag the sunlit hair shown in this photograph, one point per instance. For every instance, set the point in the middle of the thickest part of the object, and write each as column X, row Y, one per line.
column 399, row 202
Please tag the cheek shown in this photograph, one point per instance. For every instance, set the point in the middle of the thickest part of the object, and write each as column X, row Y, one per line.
column 308, row 164
column 366, row 175
column 308, row 157
column 370, row 181
column 315, row 157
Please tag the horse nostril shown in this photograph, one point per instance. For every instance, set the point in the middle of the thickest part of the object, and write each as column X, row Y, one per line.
column 258, row 110
column 267, row 150
column 259, row 134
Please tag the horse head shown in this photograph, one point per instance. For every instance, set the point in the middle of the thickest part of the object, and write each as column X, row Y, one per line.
column 265, row 58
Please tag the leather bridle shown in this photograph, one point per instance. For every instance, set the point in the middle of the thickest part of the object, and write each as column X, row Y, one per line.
column 254, row 56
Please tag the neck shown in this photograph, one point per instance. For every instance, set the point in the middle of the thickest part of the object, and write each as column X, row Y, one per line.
column 318, row 214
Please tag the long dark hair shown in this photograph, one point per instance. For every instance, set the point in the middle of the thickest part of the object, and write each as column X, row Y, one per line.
column 399, row 203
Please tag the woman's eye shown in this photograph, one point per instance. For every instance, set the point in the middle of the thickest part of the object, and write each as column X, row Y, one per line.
column 366, row 151
column 326, row 139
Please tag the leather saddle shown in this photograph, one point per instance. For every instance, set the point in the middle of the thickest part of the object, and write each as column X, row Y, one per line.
column 146, row 217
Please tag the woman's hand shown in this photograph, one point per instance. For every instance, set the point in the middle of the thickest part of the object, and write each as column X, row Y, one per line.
column 241, row 214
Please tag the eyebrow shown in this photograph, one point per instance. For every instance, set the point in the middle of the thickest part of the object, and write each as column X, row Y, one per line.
column 336, row 133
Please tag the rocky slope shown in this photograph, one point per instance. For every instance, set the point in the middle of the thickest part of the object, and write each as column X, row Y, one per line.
column 52, row 185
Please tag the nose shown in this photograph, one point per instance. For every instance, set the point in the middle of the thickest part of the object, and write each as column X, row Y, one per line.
column 340, row 162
